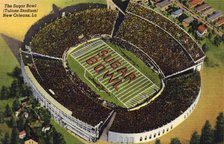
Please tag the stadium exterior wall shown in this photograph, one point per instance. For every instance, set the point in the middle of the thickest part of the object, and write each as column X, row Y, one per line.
column 116, row 137
column 59, row 113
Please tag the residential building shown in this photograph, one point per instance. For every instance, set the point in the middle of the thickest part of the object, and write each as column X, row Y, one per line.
column 187, row 21
column 208, row 11
column 202, row 7
column 22, row 134
column 201, row 30
column 177, row 13
column 215, row 16
column 194, row 3
column 164, row 5
column 220, row 22
column 30, row 141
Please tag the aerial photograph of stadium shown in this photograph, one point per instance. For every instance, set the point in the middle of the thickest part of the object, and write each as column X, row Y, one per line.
column 112, row 71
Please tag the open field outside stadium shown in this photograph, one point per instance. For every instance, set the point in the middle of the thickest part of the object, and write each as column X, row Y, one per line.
column 113, row 75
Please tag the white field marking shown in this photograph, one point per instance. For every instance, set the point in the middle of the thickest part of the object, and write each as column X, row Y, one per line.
column 144, row 94
column 88, row 47
column 130, row 64
column 130, row 88
column 91, row 53
column 91, row 67
column 91, row 74
column 84, row 61
column 126, row 84
column 111, row 70
column 125, row 97
column 123, row 65
column 142, row 76
column 101, row 61
column 140, row 94
column 137, row 89
column 123, row 84
column 117, row 75
column 138, row 98
column 85, row 46
column 143, row 87
column 91, row 82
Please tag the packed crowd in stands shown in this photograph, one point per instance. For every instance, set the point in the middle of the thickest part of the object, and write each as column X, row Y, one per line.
column 54, row 15
column 72, row 93
column 73, row 29
column 68, row 31
column 189, row 44
column 178, row 95
column 161, row 47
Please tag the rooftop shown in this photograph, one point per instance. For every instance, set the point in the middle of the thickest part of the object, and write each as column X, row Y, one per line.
column 177, row 12
column 201, row 28
column 220, row 22
column 214, row 16
column 202, row 7
column 188, row 19
column 193, row 3
column 163, row 3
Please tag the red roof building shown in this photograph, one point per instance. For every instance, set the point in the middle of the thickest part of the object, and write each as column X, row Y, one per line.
column 22, row 134
column 201, row 30
column 220, row 22
column 194, row 3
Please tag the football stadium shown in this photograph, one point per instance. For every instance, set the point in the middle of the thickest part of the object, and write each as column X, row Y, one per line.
column 130, row 72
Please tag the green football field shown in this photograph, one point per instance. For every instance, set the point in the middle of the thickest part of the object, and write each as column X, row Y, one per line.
column 112, row 74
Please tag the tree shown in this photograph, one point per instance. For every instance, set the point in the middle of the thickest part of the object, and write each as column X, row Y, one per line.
column 25, row 90
column 58, row 138
column 14, row 89
column 157, row 141
column 6, row 139
column 204, row 47
column 45, row 116
column 16, row 105
column 217, row 40
column 8, row 111
column 207, row 134
column 16, row 73
column 219, row 128
column 13, row 122
column 15, row 136
column 195, row 138
column 21, row 122
column 4, row 93
column 175, row 141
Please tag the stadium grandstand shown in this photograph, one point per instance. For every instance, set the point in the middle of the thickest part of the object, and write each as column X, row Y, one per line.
column 140, row 74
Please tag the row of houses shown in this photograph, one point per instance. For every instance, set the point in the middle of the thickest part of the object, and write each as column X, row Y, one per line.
column 205, row 10
column 163, row 5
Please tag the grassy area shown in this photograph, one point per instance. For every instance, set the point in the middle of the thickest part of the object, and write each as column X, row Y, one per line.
column 79, row 70
column 217, row 4
column 138, row 63
column 215, row 55
column 69, row 138
column 3, row 104
column 3, row 126
column 96, row 86
column 7, row 63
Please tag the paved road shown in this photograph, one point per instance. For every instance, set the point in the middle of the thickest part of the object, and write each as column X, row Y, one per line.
column 196, row 16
